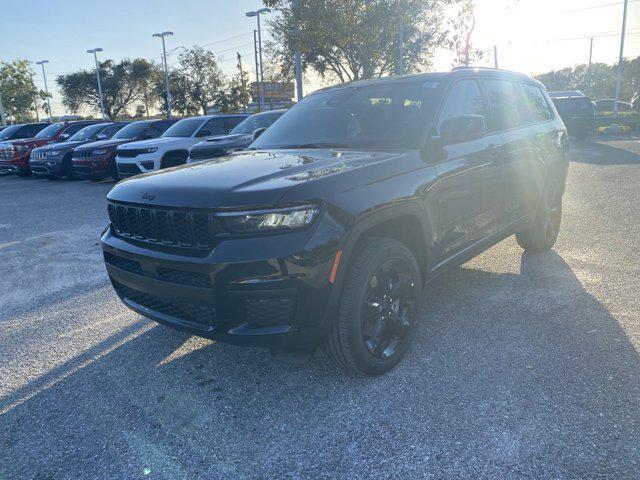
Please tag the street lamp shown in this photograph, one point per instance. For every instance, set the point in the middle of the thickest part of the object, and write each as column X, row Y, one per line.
column 95, row 56
column 256, row 14
column 166, row 68
column 46, row 89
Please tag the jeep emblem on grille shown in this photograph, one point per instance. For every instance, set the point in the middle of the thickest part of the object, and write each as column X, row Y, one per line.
column 147, row 196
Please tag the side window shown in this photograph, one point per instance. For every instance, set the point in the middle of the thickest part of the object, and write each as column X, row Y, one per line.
column 29, row 131
column 216, row 126
column 464, row 98
column 161, row 127
column 153, row 131
column 75, row 128
column 502, row 96
column 536, row 106
column 231, row 122
column 111, row 131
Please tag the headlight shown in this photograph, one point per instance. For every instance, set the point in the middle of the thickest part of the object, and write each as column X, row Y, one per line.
column 259, row 221
column 148, row 150
column 21, row 148
column 99, row 151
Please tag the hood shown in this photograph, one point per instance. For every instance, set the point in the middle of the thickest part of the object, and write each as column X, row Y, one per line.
column 218, row 145
column 62, row 145
column 246, row 179
column 33, row 142
column 106, row 143
column 157, row 142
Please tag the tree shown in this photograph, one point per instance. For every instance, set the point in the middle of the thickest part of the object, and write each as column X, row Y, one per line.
column 235, row 97
column 123, row 84
column 19, row 93
column 597, row 82
column 354, row 39
column 462, row 29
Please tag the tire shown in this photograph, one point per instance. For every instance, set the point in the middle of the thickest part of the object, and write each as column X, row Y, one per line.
column 172, row 160
column 67, row 168
column 24, row 173
column 113, row 170
column 542, row 235
column 358, row 340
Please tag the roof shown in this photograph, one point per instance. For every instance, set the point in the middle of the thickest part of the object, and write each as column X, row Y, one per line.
column 457, row 72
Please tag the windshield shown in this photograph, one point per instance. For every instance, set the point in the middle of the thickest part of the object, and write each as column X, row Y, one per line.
column 248, row 125
column 184, row 128
column 573, row 105
column 132, row 130
column 50, row 131
column 87, row 133
column 390, row 116
column 9, row 131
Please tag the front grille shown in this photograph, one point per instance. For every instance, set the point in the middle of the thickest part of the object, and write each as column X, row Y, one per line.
column 164, row 226
column 6, row 153
column 82, row 154
column 194, row 279
column 263, row 312
column 123, row 263
column 39, row 155
column 128, row 153
column 128, row 168
column 171, row 275
column 173, row 308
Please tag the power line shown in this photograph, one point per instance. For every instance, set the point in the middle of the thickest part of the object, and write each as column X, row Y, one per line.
column 597, row 6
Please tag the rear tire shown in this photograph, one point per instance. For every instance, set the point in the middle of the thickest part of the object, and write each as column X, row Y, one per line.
column 379, row 308
column 542, row 235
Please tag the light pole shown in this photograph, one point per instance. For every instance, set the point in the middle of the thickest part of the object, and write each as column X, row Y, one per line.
column 621, row 58
column 46, row 89
column 95, row 56
column 256, row 14
column 166, row 68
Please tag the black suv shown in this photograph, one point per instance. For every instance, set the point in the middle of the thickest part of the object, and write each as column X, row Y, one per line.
column 577, row 112
column 325, row 231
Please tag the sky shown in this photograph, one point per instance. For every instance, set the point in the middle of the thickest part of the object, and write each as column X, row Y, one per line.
column 532, row 36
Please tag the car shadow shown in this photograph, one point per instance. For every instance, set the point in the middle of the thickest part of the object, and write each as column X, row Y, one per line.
column 599, row 153
column 510, row 373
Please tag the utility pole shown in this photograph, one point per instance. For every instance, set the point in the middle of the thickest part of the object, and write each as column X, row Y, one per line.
column 495, row 57
column 95, row 56
column 589, row 66
column 255, row 52
column 46, row 89
column 2, row 117
column 619, row 72
column 166, row 68
column 297, row 58
column 242, row 82
column 401, row 62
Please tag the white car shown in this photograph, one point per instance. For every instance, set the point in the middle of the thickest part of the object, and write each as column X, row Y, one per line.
column 172, row 147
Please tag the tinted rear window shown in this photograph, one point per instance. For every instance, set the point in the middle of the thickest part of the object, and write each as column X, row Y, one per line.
column 573, row 105
column 50, row 131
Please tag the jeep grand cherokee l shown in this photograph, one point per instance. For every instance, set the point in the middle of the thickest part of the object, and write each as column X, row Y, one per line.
column 327, row 229
column 14, row 156
column 172, row 148
column 54, row 161
column 97, row 160
column 238, row 139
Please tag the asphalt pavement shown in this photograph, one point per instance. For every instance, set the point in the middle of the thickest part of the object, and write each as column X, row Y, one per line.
column 526, row 365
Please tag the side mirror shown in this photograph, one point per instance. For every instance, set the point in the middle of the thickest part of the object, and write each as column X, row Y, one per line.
column 101, row 136
column 64, row 137
column 462, row 128
column 204, row 133
column 257, row 132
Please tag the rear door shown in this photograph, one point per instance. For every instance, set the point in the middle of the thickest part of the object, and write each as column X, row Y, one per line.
column 467, row 199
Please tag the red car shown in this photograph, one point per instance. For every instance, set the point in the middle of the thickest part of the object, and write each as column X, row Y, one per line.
column 14, row 154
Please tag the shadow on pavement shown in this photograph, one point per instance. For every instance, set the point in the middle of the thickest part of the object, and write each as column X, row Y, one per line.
column 597, row 153
column 511, row 376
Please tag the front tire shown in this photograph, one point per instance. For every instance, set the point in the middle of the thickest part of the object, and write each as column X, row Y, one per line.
column 379, row 309
column 542, row 235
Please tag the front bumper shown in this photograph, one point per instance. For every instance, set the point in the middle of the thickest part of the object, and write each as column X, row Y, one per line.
column 90, row 167
column 257, row 291
column 46, row 167
column 19, row 164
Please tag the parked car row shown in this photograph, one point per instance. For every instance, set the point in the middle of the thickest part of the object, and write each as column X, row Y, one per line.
column 95, row 149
